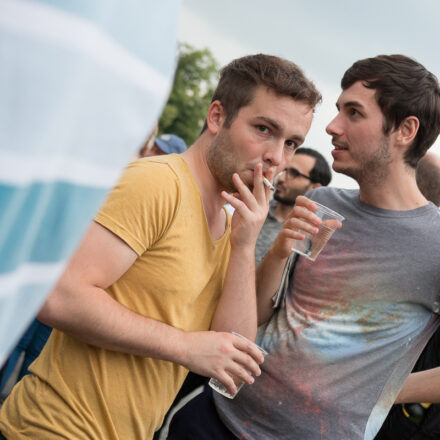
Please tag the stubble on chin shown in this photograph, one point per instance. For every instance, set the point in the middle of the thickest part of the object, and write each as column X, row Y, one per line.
column 373, row 170
column 220, row 160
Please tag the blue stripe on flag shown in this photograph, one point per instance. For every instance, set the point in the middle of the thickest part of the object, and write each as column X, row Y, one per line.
column 42, row 222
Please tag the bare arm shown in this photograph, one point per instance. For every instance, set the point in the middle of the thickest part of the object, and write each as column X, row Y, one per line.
column 81, row 307
column 423, row 386
column 271, row 268
column 237, row 308
column 269, row 274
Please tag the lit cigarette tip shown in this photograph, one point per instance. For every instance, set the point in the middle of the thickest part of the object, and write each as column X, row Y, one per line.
column 268, row 184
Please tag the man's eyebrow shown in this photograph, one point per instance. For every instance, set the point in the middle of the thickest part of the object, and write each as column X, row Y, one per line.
column 277, row 127
column 299, row 139
column 350, row 104
column 270, row 121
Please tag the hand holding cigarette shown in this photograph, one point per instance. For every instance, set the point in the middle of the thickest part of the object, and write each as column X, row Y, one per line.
column 268, row 184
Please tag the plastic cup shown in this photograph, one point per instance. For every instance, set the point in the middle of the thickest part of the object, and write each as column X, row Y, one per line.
column 312, row 245
column 220, row 388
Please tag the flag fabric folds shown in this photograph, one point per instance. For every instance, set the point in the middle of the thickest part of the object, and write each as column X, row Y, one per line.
column 81, row 84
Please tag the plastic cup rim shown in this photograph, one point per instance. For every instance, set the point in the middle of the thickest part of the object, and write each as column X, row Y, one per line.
column 329, row 211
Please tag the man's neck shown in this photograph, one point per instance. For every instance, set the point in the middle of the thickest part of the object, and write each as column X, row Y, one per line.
column 195, row 157
column 398, row 191
column 282, row 211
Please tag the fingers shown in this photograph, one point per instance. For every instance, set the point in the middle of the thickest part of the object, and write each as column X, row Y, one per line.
column 333, row 223
column 228, row 382
column 306, row 203
column 244, row 192
column 243, row 366
column 294, row 225
column 259, row 196
column 248, row 349
column 304, row 210
column 224, row 356
column 261, row 191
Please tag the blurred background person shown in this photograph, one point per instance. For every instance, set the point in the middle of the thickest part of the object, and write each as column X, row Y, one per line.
column 306, row 170
column 164, row 144
column 428, row 177
column 419, row 421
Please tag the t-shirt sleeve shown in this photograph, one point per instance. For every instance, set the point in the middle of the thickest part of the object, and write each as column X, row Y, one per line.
column 142, row 205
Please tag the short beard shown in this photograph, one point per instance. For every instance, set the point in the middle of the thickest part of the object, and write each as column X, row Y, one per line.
column 220, row 160
column 284, row 200
column 289, row 200
column 375, row 169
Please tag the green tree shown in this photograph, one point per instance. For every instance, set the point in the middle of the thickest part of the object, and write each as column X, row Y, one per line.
column 194, row 83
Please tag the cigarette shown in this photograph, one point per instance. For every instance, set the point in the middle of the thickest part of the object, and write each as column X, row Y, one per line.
column 268, row 184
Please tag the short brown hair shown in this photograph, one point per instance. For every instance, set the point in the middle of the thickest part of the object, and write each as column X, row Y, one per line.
column 240, row 78
column 403, row 87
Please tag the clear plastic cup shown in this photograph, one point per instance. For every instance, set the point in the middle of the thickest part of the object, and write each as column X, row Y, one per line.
column 220, row 388
column 312, row 244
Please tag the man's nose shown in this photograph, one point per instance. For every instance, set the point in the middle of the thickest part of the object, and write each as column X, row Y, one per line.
column 274, row 154
column 334, row 128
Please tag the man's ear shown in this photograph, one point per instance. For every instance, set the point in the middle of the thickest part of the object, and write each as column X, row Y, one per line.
column 215, row 117
column 407, row 131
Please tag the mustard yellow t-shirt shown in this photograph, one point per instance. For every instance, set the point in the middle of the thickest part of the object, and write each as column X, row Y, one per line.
column 77, row 391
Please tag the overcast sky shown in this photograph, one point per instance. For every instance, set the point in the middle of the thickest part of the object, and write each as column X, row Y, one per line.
column 323, row 37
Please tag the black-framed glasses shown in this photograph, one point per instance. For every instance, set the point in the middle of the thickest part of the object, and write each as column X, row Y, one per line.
column 293, row 173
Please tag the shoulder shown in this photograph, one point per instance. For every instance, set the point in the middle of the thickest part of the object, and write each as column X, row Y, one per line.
column 324, row 193
column 149, row 176
column 153, row 168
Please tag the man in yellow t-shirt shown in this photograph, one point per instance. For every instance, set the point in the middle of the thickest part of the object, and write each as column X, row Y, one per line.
column 161, row 265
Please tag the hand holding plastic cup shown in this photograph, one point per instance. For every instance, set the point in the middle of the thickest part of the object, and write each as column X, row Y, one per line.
column 220, row 388
column 312, row 244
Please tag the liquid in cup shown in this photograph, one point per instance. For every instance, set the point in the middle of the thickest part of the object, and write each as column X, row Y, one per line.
column 220, row 388
column 312, row 245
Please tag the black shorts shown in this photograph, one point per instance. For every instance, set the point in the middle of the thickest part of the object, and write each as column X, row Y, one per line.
column 198, row 419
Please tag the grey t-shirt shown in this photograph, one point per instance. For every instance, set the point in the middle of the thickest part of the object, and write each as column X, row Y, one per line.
column 268, row 233
column 353, row 324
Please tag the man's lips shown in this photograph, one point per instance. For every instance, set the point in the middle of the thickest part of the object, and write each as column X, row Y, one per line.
column 339, row 146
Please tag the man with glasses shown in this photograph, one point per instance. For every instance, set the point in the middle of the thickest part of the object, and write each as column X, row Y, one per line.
column 305, row 171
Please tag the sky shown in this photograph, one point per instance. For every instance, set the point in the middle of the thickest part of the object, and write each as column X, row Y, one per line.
column 323, row 37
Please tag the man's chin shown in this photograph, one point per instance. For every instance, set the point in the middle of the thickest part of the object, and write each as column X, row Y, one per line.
column 284, row 201
column 349, row 172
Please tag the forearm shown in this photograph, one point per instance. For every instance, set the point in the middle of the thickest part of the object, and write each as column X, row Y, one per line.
column 269, row 275
column 91, row 315
column 423, row 386
column 237, row 308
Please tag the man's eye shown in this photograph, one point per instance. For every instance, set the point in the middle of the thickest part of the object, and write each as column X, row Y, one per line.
column 291, row 145
column 262, row 129
column 353, row 112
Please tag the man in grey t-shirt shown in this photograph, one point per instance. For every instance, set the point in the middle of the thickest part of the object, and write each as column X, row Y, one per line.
column 306, row 170
column 350, row 325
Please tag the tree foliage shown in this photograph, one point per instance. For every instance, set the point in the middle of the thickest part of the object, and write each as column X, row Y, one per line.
column 194, row 83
